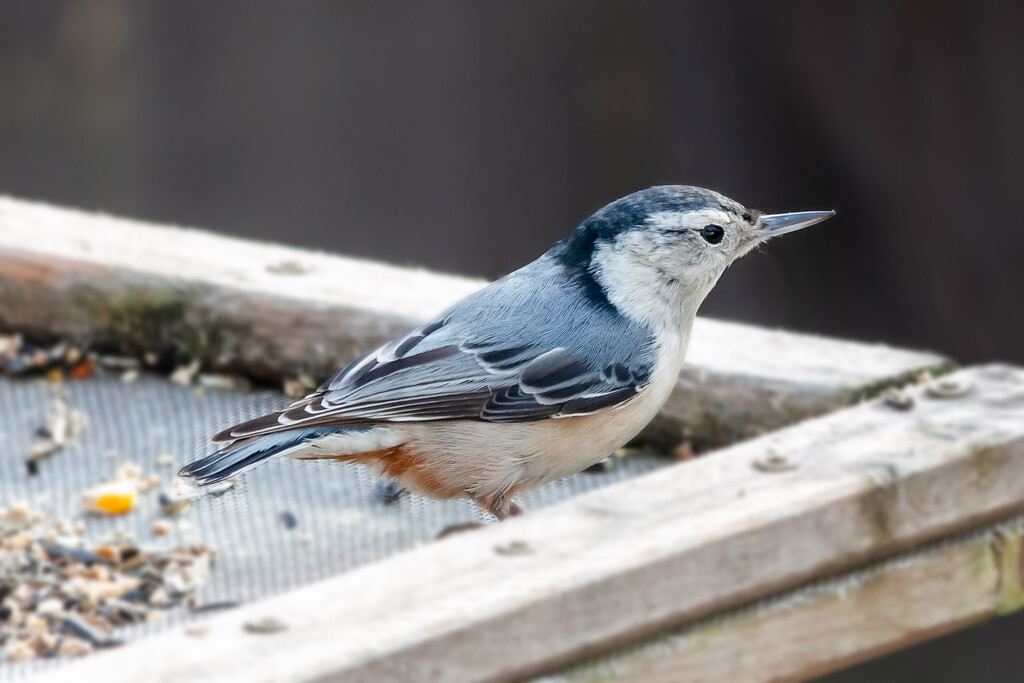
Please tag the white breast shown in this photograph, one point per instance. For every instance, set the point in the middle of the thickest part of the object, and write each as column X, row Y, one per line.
column 487, row 458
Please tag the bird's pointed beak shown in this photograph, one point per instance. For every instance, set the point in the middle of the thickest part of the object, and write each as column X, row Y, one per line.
column 781, row 223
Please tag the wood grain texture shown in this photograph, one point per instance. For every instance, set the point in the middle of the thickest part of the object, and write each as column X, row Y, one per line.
column 619, row 564
column 275, row 312
column 835, row 623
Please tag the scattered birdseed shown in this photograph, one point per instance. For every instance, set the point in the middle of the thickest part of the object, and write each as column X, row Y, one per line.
column 69, row 646
column 164, row 460
column 120, row 494
column 288, row 519
column 19, row 511
column 513, row 548
column 293, row 388
column 176, row 499
column 19, row 357
column 63, row 424
column 61, row 598
column 387, row 491
column 9, row 345
column 185, row 375
column 228, row 382
column 119, row 362
column 78, row 628
column 18, row 651
column 128, row 471
column 82, row 370
column 129, row 376
column 684, row 452
column 265, row 625
column 300, row 386
column 898, row 399
column 159, row 597
column 172, row 506
column 40, row 451
column 161, row 527
column 110, row 498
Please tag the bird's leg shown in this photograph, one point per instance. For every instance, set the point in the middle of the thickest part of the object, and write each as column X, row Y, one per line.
column 453, row 529
column 514, row 509
column 500, row 505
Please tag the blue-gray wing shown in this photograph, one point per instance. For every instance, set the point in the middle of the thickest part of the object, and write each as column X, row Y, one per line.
column 490, row 358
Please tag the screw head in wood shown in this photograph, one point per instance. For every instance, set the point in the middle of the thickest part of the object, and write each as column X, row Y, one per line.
column 513, row 548
column 265, row 625
column 948, row 388
column 773, row 461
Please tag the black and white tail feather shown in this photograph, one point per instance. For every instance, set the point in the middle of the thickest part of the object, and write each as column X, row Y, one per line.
column 247, row 453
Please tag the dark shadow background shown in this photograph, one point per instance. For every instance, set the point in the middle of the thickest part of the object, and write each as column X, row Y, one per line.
column 468, row 136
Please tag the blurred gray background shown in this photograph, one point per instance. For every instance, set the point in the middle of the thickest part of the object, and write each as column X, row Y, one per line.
column 468, row 136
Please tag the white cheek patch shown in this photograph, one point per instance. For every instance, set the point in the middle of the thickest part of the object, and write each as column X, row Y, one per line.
column 660, row 281
column 634, row 285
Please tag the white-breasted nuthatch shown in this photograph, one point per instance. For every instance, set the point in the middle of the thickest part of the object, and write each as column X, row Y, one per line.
column 538, row 375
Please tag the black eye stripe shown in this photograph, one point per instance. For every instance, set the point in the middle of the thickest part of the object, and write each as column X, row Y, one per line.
column 711, row 233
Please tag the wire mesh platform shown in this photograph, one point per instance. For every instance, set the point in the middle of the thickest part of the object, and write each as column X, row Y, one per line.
column 339, row 524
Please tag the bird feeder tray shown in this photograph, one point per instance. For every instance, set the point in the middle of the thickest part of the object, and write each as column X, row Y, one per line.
column 823, row 522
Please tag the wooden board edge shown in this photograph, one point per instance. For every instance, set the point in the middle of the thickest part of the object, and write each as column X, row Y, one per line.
column 836, row 622
column 616, row 565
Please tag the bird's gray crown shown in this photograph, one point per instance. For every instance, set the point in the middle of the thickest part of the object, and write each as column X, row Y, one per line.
column 631, row 213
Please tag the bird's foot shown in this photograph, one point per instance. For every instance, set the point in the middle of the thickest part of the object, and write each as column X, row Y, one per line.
column 457, row 529
column 501, row 507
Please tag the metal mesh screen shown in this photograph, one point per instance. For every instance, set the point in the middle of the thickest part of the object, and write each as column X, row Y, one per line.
column 340, row 522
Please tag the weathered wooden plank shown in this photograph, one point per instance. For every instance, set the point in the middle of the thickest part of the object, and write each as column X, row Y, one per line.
column 835, row 623
column 741, row 381
column 275, row 311
column 630, row 560
column 270, row 310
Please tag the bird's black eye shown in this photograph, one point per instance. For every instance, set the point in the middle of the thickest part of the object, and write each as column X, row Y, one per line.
column 712, row 234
